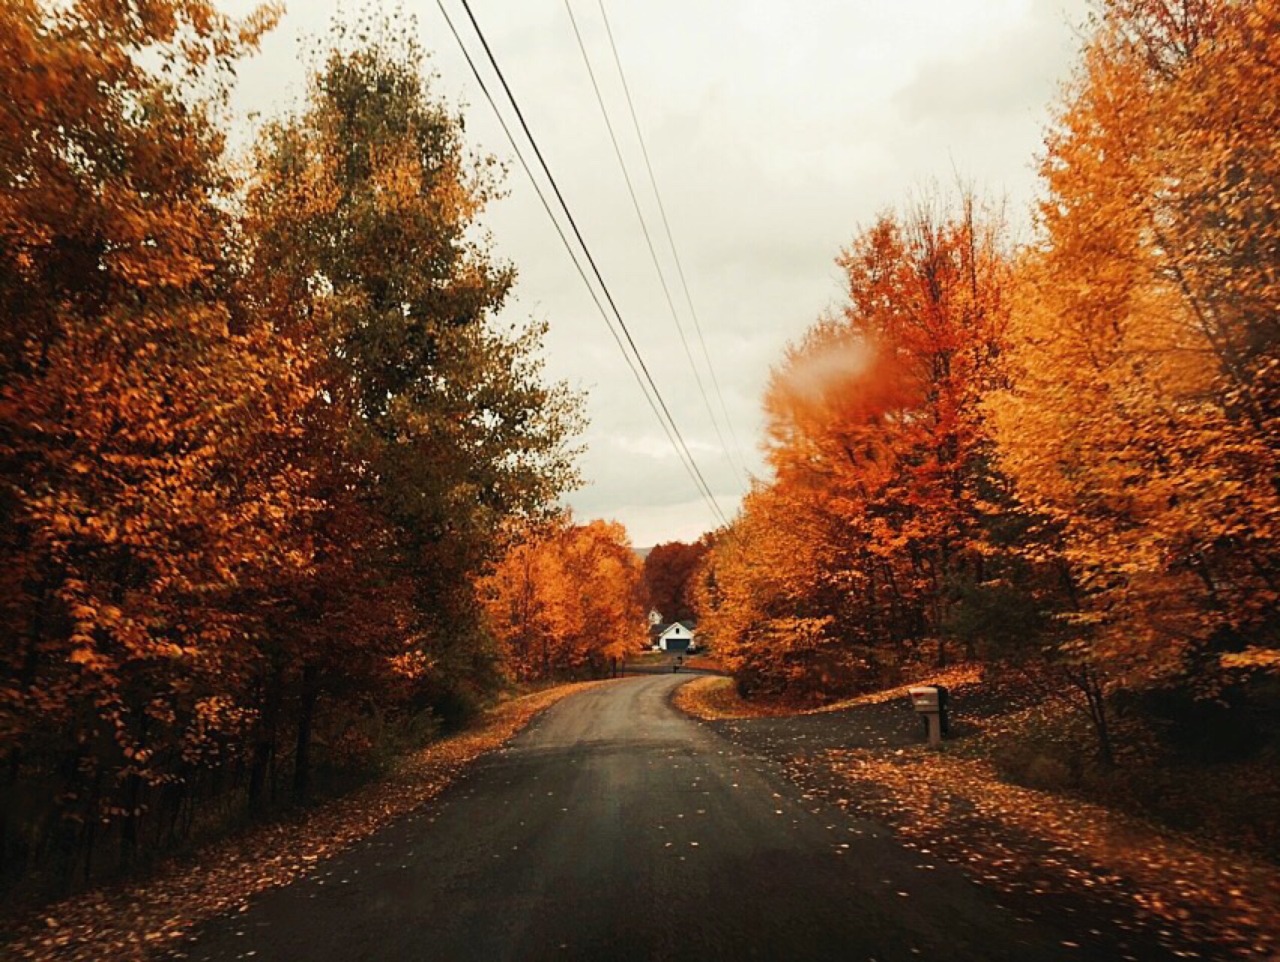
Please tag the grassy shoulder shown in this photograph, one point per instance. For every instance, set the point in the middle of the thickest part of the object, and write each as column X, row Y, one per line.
column 143, row 918
column 715, row 698
column 661, row 659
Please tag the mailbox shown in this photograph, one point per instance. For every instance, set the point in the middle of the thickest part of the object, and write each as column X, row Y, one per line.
column 926, row 698
column 930, row 702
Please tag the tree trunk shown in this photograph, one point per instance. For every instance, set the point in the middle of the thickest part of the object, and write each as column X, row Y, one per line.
column 264, row 745
column 1096, row 699
column 129, row 828
column 302, row 755
column 130, row 831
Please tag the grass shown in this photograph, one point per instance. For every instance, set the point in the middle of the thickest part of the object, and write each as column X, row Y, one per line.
column 649, row 658
column 710, row 698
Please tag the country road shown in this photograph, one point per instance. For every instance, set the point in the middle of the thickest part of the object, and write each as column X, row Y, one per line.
column 616, row 828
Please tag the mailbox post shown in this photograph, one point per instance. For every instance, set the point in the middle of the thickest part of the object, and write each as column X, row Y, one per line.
column 930, row 702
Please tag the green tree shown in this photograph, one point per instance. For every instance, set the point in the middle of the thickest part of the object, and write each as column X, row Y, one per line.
column 366, row 248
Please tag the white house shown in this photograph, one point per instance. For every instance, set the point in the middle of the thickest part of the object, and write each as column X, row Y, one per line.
column 677, row 637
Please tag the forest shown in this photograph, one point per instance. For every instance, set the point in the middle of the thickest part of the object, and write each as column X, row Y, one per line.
column 1057, row 458
column 280, row 497
column 259, row 433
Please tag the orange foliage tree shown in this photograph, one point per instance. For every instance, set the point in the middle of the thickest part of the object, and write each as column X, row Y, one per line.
column 767, row 595
column 135, row 409
column 1142, row 417
column 255, row 444
column 1069, row 452
column 565, row 599
column 668, row 577
column 851, row 559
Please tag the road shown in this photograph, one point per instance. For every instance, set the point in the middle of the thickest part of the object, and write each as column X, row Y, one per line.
column 616, row 828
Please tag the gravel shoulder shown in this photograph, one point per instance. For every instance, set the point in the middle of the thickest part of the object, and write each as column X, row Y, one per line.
column 1126, row 888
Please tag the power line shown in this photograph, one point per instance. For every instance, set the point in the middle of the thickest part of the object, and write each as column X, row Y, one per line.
column 648, row 239
column 515, row 105
column 675, row 253
column 643, row 376
column 546, row 206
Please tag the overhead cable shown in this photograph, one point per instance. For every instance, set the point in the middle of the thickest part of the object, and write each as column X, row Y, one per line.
column 638, row 367
column 675, row 253
column 648, row 239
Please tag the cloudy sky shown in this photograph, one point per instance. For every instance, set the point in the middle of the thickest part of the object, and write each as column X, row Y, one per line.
column 775, row 127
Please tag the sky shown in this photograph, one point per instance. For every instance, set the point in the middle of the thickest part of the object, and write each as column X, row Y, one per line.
column 776, row 129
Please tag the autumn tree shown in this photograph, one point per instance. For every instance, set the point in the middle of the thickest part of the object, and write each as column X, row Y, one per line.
column 668, row 577
column 255, row 440
column 767, row 597
column 564, row 600
column 134, row 412
column 876, row 517
column 1143, row 413
column 432, row 425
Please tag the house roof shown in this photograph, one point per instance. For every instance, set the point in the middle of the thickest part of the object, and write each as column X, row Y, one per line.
column 691, row 626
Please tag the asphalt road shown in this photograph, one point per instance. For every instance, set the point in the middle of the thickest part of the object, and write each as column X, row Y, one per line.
column 616, row 828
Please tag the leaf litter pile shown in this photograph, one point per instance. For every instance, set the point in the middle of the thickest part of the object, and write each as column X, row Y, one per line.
column 138, row 920
column 1031, row 841
column 717, row 699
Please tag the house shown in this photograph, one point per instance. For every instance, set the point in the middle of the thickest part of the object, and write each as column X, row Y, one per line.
column 653, row 628
column 677, row 637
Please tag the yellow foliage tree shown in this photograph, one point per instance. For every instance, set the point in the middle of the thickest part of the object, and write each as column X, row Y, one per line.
column 1143, row 414
column 565, row 599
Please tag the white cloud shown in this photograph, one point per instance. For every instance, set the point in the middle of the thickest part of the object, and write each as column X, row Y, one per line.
column 775, row 129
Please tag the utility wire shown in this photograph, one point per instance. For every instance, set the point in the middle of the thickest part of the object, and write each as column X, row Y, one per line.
column 642, row 374
column 675, row 253
column 573, row 256
column 546, row 169
column 648, row 239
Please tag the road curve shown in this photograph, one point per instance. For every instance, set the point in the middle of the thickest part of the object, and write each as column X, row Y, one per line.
column 616, row 828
